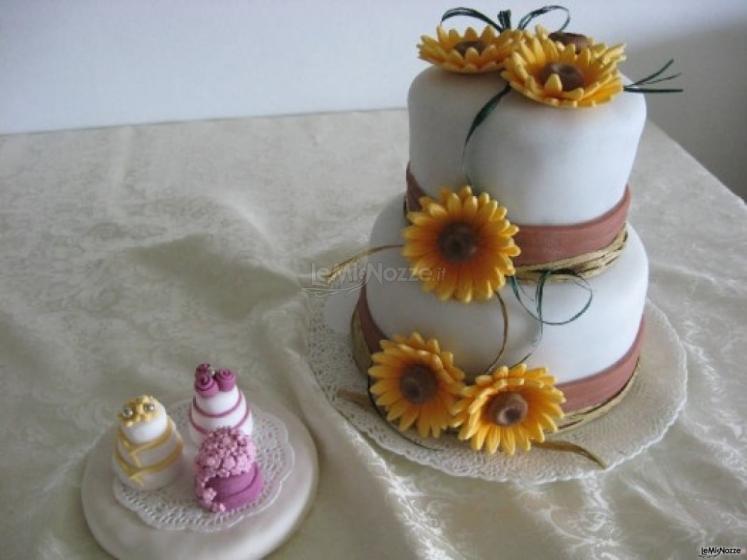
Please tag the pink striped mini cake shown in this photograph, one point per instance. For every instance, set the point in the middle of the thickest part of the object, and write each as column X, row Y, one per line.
column 217, row 403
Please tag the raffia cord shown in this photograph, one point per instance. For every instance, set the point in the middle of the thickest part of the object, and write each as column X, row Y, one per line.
column 582, row 416
column 340, row 267
column 558, row 445
column 552, row 445
column 583, row 266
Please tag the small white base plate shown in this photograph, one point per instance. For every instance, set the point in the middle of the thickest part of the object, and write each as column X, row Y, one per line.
column 124, row 535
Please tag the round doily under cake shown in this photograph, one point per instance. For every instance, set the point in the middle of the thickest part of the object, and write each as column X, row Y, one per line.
column 637, row 422
column 169, row 524
column 173, row 507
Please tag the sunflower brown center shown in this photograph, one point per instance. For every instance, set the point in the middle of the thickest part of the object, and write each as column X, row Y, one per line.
column 507, row 409
column 457, row 242
column 576, row 39
column 418, row 384
column 463, row 46
column 570, row 76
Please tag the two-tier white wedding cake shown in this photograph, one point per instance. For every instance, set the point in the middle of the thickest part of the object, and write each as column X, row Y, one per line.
column 522, row 307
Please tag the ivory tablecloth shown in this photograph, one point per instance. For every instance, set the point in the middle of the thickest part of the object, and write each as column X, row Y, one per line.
column 129, row 254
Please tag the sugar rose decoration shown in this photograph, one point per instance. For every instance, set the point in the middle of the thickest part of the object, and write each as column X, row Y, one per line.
column 226, row 379
column 208, row 381
column 461, row 246
column 470, row 53
column 416, row 382
column 565, row 70
column 205, row 384
column 509, row 408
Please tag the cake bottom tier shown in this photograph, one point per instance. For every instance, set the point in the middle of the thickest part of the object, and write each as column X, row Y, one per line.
column 595, row 353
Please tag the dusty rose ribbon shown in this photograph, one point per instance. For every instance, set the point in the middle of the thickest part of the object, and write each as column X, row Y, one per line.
column 588, row 392
column 543, row 244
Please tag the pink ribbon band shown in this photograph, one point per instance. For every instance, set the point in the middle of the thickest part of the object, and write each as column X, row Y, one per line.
column 545, row 244
column 231, row 485
column 234, row 498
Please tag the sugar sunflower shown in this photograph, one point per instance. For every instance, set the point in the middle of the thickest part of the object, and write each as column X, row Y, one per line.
column 579, row 42
column 508, row 409
column 416, row 382
column 556, row 74
column 469, row 53
column 460, row 246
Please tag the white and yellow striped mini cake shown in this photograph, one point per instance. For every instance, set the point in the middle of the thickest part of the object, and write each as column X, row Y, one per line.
column 148, row 449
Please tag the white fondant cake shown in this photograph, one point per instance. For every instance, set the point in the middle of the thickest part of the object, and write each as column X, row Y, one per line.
column 148, row 447
column 546, row 165
column 473, row 332
column 558, row 172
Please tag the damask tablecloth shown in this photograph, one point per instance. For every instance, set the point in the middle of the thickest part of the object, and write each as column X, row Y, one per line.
column 128, row 255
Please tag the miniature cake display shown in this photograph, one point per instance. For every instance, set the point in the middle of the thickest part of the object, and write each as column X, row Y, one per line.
column 523, row 309
column 227, row 475
column 148, row 450
column 231, row 497
column 217, row 403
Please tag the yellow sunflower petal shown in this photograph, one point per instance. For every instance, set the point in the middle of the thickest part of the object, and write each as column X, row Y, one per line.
column 480, row 435
column 508, row 441
column 397, row 410
column 382, row 372
column 408, row 418
column 494, row 439
column 522, row 439
column 384, row 385
column 484, row 51
column 388, row 399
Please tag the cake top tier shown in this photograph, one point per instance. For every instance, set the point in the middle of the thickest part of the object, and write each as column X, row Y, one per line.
column 542, row 121
column 548, row 166
column 143, row 419
column 210, row 382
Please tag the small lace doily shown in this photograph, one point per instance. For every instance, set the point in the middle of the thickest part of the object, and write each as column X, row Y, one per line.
column 174, row 507
column 658, row 395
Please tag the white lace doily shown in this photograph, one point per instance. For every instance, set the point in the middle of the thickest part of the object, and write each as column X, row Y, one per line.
column 174, row 507
column 640, row 420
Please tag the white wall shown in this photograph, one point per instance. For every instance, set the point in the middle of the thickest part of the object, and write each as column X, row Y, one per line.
column 86, row 63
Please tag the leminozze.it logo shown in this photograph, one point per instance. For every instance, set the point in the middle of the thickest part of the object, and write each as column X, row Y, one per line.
column 353, row 277
column 716, row 551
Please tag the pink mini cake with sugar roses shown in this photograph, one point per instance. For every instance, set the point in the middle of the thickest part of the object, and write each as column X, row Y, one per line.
column 227, row 475
column 218, row 402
